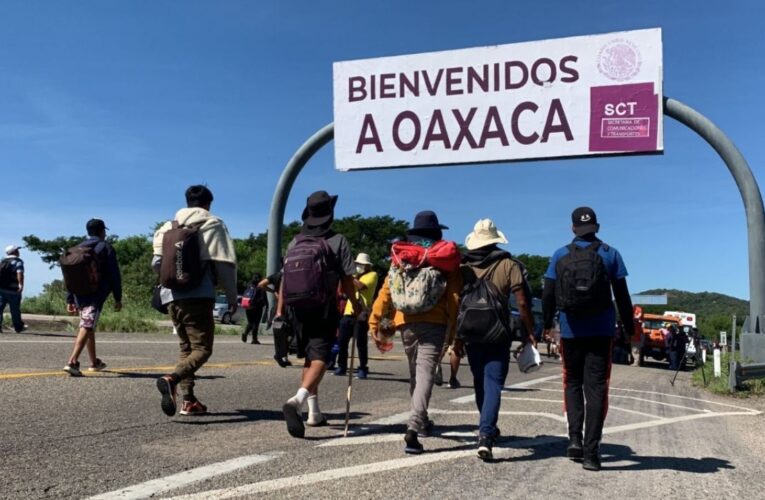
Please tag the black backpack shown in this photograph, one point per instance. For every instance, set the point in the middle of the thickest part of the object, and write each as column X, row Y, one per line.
column 81, row 268
column 484, row 316
column 181, row 266
column 583, row 287
column 8, row 278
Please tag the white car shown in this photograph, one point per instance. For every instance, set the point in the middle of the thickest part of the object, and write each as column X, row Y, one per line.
column 221, row 313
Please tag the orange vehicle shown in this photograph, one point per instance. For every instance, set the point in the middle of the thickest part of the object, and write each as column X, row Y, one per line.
column 653, row 328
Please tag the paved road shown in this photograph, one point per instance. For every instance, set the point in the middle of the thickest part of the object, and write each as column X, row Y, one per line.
column 104, row 434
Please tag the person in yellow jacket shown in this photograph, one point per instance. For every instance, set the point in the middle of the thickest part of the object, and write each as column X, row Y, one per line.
column 423, row 334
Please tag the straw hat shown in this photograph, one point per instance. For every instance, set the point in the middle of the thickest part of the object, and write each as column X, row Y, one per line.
column 484, row 233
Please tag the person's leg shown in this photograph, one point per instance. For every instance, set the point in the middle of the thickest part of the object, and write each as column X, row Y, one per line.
column 475, row 354
column 430, row 345
column 83, row 338
column 14, row 304
column 597, row 374
column 573, row 379
column 3, row 301
column 409, row 339
column 497, row 362
column 198, row 326
column 257, row 317
column 345, row 332
column 454, row 365
column 250, row 324
column 362, row 345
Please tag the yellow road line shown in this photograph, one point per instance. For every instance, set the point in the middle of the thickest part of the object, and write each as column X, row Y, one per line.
column 117, row 371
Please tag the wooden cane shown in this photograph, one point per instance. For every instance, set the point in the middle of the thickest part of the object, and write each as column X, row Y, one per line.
column 350, row 377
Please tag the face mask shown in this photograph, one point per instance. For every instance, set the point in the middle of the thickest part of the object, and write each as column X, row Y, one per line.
column 360, row 269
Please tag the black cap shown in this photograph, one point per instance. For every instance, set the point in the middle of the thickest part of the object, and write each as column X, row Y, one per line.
column 95, row 226
column 319, row 209
column 426, row 220
column 585, row 221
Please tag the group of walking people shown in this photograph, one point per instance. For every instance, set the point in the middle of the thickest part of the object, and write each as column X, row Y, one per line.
column 433, row 296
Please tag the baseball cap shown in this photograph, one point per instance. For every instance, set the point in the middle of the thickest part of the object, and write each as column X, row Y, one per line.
column 585, row 221
column 11, row 249
column 95, row 225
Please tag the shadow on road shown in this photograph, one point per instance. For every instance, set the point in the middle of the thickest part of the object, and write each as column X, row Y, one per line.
column 614, row 454
column 238, row 416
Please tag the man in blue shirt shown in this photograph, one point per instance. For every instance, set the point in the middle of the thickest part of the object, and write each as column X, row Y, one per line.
column 89, row 306
column 579, row 283
column 11, row 286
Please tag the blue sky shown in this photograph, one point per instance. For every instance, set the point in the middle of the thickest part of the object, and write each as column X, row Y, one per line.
column 111, row 109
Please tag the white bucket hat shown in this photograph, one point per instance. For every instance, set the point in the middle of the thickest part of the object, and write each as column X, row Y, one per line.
column 363, row 258
column 484, row 233
column 11, row 249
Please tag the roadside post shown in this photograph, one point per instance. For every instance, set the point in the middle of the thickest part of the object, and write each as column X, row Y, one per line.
column 717, row 363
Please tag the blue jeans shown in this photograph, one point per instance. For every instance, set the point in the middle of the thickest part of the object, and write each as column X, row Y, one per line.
column 489, row 364
column 14, row 303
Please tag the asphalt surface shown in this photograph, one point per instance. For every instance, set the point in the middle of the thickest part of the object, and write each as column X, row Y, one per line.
column 104, row 434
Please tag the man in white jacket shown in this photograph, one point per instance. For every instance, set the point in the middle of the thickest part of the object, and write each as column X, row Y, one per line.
column 191, row 309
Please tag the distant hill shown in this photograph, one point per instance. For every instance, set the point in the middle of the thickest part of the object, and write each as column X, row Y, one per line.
column 703, row 304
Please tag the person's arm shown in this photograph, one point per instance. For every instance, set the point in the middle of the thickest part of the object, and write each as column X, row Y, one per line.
column 524, row 309
column 380, row 306
column 225, row 272
column 115, row 277
column 624, row 305
column 20, row 278
column 548, row 306
column 349, row 288
column 453, row 287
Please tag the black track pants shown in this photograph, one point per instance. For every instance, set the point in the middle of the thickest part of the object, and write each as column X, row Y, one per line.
column 586, row 374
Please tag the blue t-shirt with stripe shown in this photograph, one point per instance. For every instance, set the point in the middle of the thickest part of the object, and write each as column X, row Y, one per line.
column 604, row 323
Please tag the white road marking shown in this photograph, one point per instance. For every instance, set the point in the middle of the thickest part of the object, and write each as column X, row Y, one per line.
column 520, row 385
column 662, row 403
column 99, row 341
column 634, row 412
column 157, row 486
column 513, row 398
column 552, row 416
column 672, row 420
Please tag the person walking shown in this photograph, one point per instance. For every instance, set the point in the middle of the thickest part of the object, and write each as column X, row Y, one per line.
column 11, row 287
column 254, row 312
column 317, row 259
column 193, row 254
column 89, row 306
column 430, row 265
column 489, row 361
column 281, row 329
column 365, row 282
column 579, row 283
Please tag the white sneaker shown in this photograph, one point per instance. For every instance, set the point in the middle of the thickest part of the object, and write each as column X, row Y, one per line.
column 316, row 420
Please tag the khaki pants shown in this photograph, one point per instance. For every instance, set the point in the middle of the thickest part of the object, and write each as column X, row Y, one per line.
column 423, row 343
column 193, row 319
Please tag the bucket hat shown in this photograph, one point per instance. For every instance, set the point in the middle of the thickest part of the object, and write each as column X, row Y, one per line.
column 319, row 209
column 363, row 258
column 484, row 233
column 427, row 220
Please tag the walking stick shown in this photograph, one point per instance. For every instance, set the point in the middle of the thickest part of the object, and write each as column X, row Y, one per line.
column 350, row 377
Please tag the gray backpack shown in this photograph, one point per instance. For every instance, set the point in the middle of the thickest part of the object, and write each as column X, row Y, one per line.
column 415, row 290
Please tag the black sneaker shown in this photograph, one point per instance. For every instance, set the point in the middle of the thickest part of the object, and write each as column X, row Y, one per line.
column 591, row 462
column 413, row 445
column 485, row 444
column 244, row 337
column 575, row 451
column 454, row 383
column 283, row 362
column 73, row 369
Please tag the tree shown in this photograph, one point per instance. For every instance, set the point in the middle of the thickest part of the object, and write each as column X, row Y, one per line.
column 536, row 265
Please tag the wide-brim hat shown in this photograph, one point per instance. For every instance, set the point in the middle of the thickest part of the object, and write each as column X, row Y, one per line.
column 427, row 220
column 364, row 259
column 319, row 209
column 584, row 221
column 484, row 233
column 11, row 249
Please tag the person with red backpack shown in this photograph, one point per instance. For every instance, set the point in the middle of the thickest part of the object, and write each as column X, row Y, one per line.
column 579, row 282
column 253, row 301
column 317, row 259
column 193, row 255
column 422, row 287
column 91, row 273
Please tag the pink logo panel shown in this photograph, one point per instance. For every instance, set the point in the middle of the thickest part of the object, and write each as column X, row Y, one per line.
column 624, row 118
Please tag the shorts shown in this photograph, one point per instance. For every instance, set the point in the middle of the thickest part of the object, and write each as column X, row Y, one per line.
column 316, row 332
column 89, row 317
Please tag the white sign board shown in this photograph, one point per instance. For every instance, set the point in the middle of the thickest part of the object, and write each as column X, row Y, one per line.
column 723, row 338
column 578, row 96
